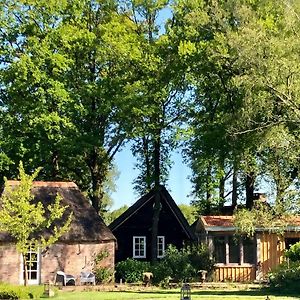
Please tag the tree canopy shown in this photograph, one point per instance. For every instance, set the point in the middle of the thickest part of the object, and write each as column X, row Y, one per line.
column 213, row 78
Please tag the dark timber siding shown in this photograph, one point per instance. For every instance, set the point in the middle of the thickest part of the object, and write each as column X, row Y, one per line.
column 139, row 224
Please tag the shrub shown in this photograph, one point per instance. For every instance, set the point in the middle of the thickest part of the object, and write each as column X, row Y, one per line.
column 294, row 252
column 8, row 291
column 131, row 270
column 286, row 277
column 182, row 265
column 103, row 275
column 199, row 257
column 178, row 262
column 8, row 295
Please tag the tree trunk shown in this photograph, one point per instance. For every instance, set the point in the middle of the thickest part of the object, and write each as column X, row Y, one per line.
column 157, row 200
column 234, row 195
column 208, row 207
column 155, row 221
column 222, row 188
column 250, row 178
column 147, row 162
column 98, row 166
column 25, row 270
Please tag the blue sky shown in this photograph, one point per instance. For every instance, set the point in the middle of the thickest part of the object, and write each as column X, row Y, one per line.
column 178, row 184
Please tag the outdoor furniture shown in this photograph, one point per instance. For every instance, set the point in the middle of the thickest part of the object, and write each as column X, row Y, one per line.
column 64, row 279
column 87, row 277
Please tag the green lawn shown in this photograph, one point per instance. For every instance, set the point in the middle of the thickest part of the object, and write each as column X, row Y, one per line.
column 172, row 295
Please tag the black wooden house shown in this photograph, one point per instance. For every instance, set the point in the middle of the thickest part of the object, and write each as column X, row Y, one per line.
column 133, row 229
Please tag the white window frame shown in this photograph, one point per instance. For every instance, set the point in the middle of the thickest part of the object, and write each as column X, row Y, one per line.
column 160, row 246
column 37, row 270
column 137, row 242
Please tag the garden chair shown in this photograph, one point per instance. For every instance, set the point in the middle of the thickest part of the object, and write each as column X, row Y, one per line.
column 64, row 279
column 87, row 277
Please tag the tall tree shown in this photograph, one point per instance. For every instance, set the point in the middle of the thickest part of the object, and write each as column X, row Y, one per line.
column 243, row 84
column 66, row 86
column 162, row 101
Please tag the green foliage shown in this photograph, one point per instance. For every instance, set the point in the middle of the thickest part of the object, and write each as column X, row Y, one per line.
column 182, row 265
column 260, row 216
column 17, row 292
column 74, row 72
column 294, row 253
column 189, row 212
column 131, row 270
column 242, row 115
column 199, row 257
column 110, row 216
column 103, row 274
column 101, row 256
column 286, row 277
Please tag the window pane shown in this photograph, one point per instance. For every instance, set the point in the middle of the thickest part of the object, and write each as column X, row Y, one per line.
column 220, row 250
column 290, row 241
column 249, row 250
column 160, row 246
column 234, row 250
column 139, row 249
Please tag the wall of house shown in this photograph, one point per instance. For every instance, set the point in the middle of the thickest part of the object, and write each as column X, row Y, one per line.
column 10, row 262
column 74, row 258
column 234, row 273
column 271, row 250
column 139, row 224
column 70, row 258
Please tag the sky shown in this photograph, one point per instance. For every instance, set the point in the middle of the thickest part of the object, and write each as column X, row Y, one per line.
column 178, row 185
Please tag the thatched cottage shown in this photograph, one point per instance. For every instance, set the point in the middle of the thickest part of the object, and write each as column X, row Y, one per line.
column 73, row 253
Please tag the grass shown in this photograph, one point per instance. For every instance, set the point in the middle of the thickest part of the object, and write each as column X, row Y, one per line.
column 173, row 295
column 229, row 293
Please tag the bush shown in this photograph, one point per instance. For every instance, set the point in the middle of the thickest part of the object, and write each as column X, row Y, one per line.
column 8, row 291
column 182, row 265
column 8, row 295
column 294, row 252
column 131, row 270
column 199, row 257
column 103, row 275
column 286, row 277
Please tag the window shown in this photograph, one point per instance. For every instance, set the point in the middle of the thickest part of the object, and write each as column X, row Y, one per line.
column 234, row 250
column 139, row 247
column 160, row 246
column 220, row 249
column 231, row 250
column 290, row 241
column 33, row 267
column 249, row 251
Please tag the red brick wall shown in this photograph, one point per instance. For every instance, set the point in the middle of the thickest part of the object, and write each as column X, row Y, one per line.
column 74, row 258
column 10, row 262
column 70, row 258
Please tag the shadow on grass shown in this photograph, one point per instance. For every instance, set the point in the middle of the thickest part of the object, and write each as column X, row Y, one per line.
column 254, row 292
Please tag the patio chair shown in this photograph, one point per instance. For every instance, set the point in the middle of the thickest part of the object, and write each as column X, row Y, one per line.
column 64, row 279
column 87, row 277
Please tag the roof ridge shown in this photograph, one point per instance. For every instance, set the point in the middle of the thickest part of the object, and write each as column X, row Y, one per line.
column 61, row 184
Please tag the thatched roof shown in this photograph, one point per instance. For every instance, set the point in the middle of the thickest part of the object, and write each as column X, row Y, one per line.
column 86, row 226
